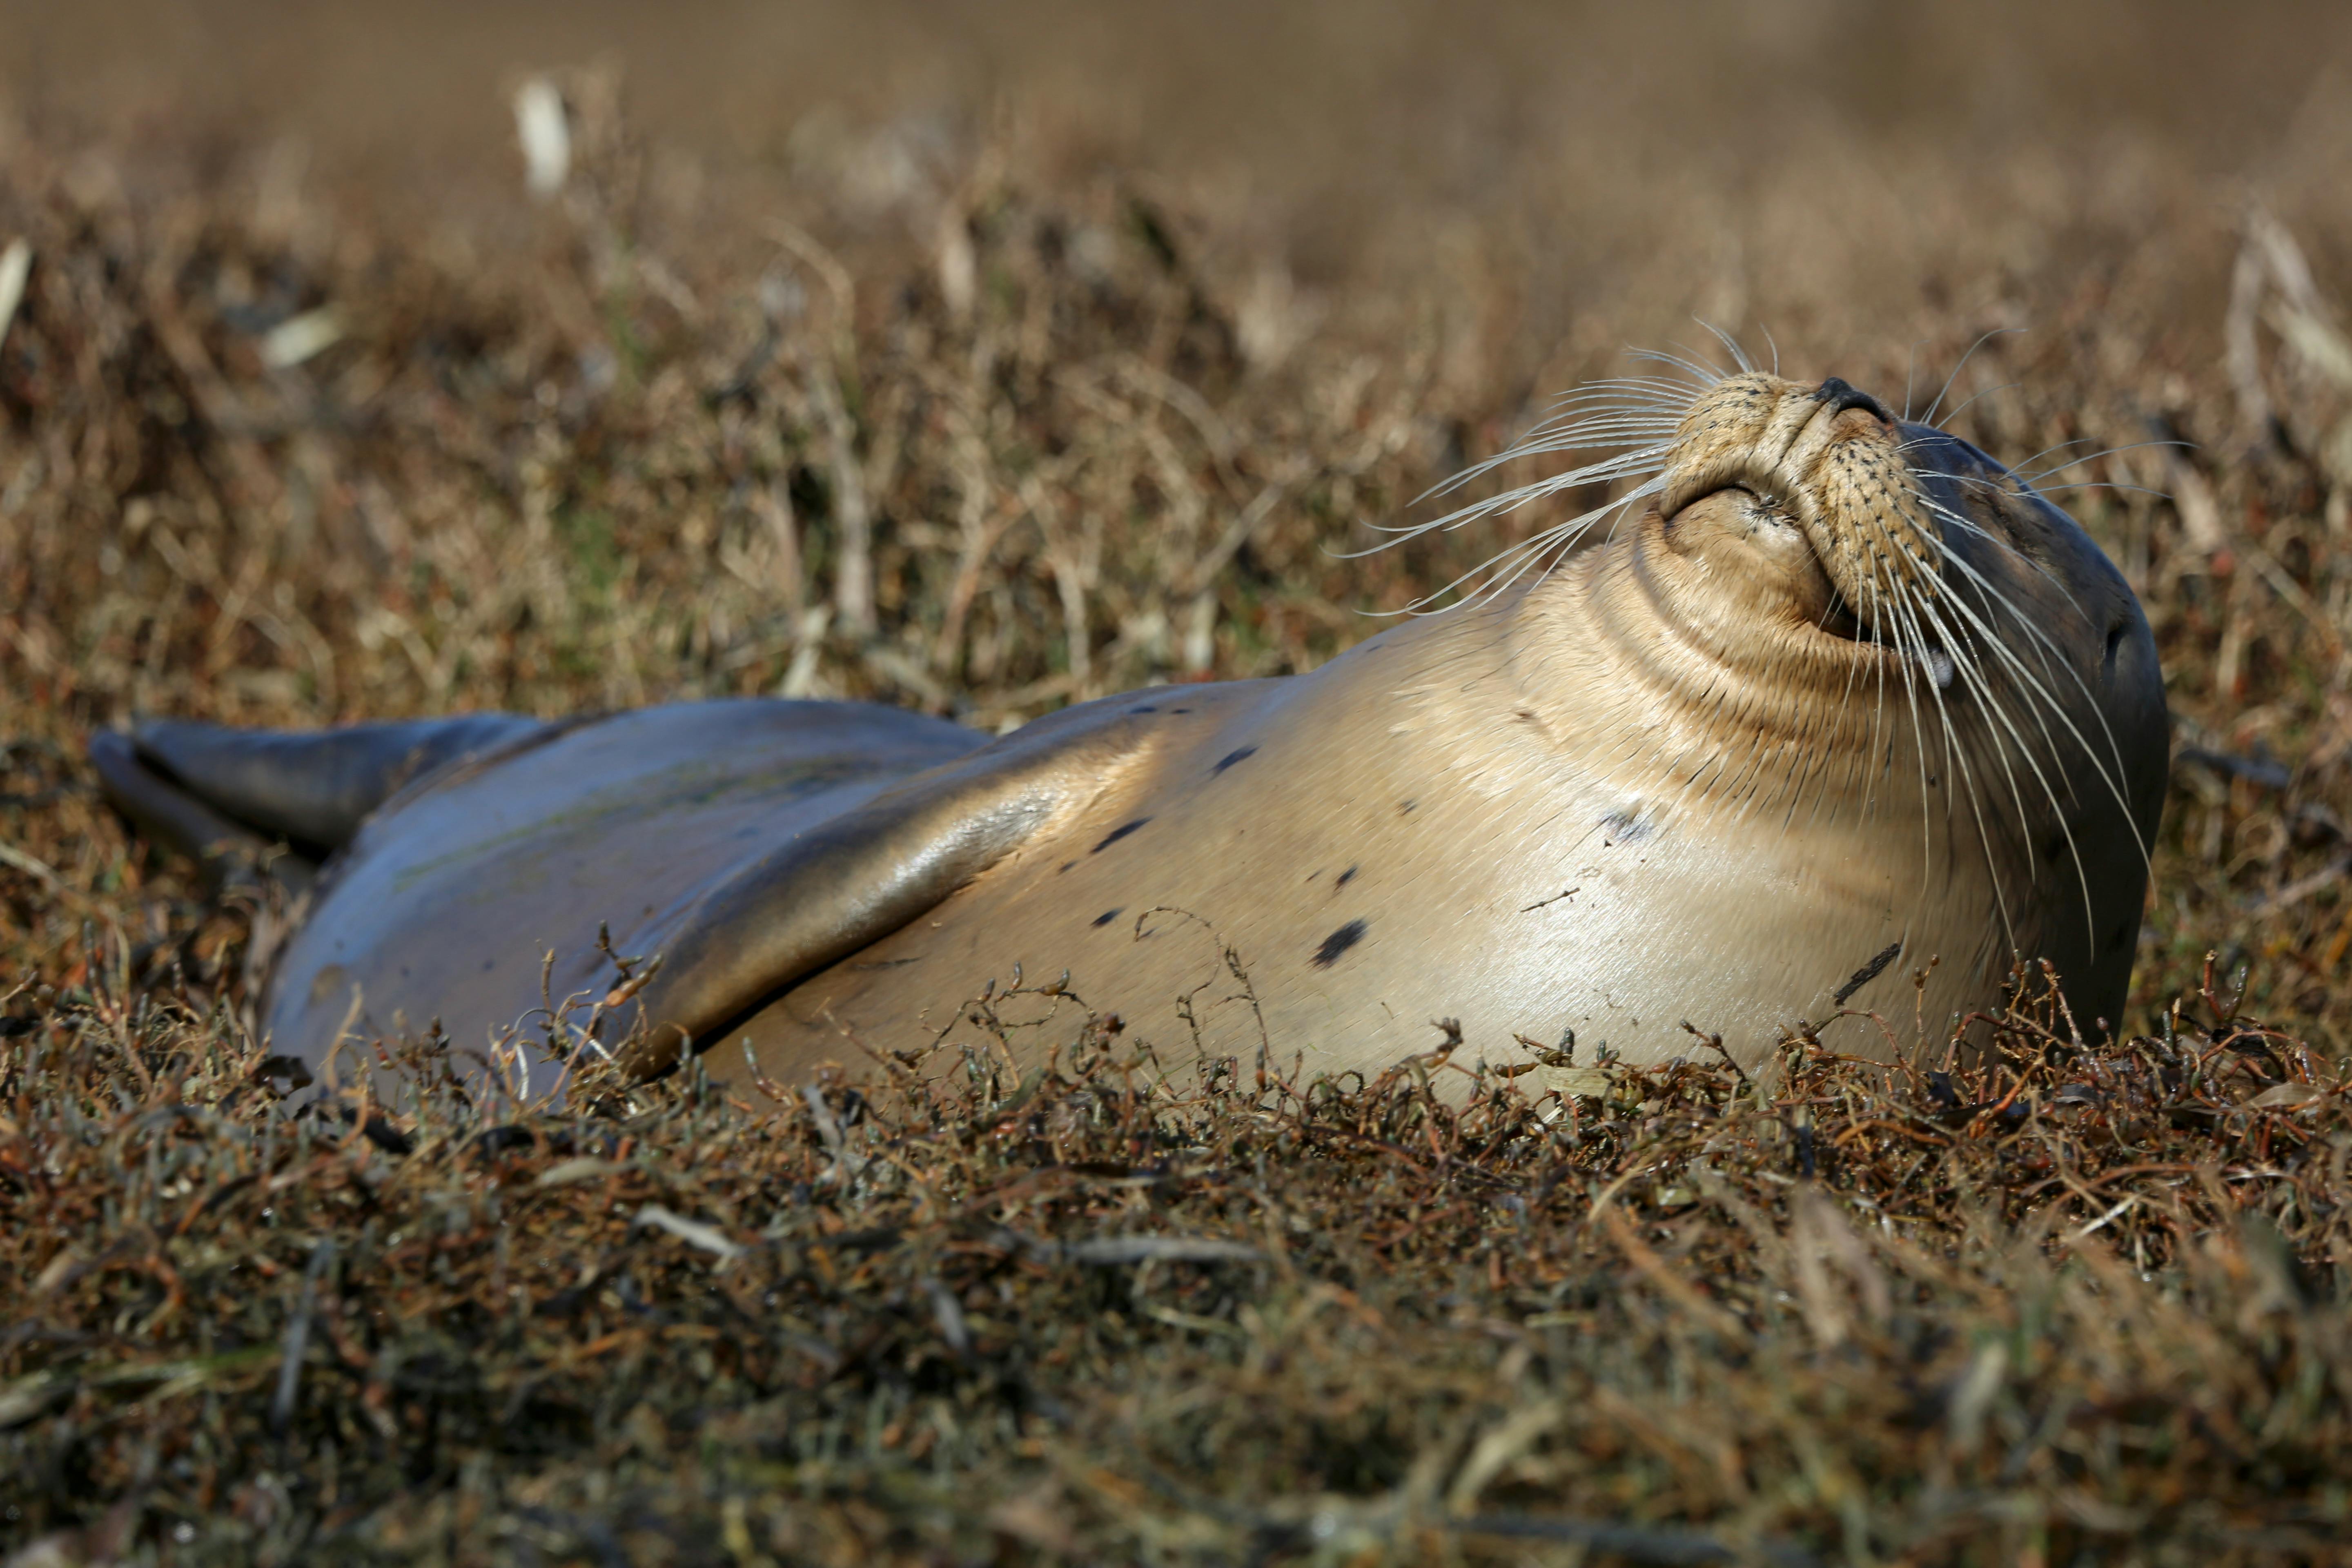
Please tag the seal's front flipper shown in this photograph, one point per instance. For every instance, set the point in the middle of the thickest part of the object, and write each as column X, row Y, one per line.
column 851, row 880
column 196, row 786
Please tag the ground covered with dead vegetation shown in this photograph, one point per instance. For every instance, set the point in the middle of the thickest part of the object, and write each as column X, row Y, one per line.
column 2062, row 1305
column 986, row 408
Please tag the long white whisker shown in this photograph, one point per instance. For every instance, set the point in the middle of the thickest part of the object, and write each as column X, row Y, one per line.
column 1929, row 418
column 1906, row 621
column 2094, row 456
column 1988, row 392
column 1989, row 704
column 1731, row 345
column 1988, row 637
column 1705, row 374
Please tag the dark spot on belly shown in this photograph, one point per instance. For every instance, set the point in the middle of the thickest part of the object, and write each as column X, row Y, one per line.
column 1065, row 865
column 1180, row 710
column 488, row 965
column 1866, row 974
column 1406, row 807
column 1146, row 708
column 1108, row 916
column 1626, row 827
column 1337, row 942
column 1230, row 758
column 1346, row 877
column 1116, row 834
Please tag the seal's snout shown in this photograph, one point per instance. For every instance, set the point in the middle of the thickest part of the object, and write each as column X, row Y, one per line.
column 1844, row 483
column 1841, row 394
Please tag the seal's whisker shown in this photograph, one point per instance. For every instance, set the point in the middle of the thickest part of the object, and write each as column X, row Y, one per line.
column 1609, row 416
column 1699, row 360
column 1829, row 610
column 1929, row 418
column 1706, row 375
column 1653, row 383
column 1664, row 417
column 2105, row 485
column 1498, row 571
column 1903, row 623
column 1731, row 346
column 1988, row 701
column 1591, row 433
column 2034, row 633
column 1963, row 406
column 1501, row 506
column 1976, row 530
column 1655, row 390
column 1869, row 797
column 1956, row 754
column 2040, row 696
column 1637, row 414
column 1505, row 502
column 1640, row 460
column 1662, row 408
column 2018, row 465
column 2025, row 622
column 2036, row 479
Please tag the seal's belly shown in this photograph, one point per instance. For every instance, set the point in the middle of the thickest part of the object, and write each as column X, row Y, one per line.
column 447, row 904
column 1361, row 902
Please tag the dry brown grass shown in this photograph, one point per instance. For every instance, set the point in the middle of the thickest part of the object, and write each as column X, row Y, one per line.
column 2065, row 1306
column 1102, row 411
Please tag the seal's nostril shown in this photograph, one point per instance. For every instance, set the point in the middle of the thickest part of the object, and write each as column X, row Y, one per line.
column 1842, row 395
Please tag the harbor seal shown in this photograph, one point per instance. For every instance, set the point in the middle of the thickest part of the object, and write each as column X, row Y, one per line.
column 1833, row 715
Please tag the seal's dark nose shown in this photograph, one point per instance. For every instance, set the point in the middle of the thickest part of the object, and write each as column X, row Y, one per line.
column 1840, row 396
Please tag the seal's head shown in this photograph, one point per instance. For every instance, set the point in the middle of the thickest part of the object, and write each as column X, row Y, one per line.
column 1837, row 622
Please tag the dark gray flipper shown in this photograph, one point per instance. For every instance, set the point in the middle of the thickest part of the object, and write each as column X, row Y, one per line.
column 312, row 787
column 858, row 877
column 165, row 814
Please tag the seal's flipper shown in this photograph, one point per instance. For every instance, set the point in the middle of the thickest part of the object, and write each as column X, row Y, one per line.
column 854, row 880
column 312, row 787
column 167, row 815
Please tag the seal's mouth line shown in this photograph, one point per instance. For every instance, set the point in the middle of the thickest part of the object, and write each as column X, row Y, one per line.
column 1842, row 621
column 1778, row 482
